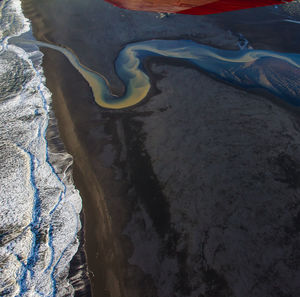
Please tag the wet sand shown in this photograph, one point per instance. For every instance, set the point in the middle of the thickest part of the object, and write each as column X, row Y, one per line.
column 123, row 195
column 97, row 227
column 107, row 262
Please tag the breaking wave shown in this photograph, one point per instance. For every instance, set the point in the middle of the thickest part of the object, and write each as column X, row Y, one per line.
column 39, row 206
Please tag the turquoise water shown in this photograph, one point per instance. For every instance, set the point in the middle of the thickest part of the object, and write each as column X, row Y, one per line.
column 275, row 72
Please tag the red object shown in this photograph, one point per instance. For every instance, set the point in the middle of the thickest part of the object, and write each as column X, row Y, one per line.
column 229, row 5
column 195, row 7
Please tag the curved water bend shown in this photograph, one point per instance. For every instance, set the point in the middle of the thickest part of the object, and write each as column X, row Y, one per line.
column 276, row 72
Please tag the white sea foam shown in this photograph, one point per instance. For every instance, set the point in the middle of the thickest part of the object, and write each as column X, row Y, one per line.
column 39, row 207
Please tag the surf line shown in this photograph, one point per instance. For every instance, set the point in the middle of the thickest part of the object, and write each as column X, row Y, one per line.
column 246, row 68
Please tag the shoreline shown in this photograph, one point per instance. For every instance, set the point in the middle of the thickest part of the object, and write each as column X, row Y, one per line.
column 113, row 268
column 106, row 248
column 41, row 215
column 78, row 275
column 78, row 264
column 81, row 164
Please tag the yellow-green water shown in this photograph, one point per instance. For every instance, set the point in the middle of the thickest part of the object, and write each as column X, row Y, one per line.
column 276, row 72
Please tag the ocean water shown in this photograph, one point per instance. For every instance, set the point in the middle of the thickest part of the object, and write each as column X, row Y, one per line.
column 39, row 206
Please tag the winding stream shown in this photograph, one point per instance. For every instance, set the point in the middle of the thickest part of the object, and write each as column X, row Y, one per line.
column 275, row 72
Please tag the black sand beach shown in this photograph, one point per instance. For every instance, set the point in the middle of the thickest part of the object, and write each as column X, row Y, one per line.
column 194, row 191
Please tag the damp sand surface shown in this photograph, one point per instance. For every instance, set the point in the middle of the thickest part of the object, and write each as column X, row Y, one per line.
column 132, row 216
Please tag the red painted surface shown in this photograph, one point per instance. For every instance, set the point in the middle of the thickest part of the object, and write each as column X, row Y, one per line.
column 196, row 7
column 229, row 5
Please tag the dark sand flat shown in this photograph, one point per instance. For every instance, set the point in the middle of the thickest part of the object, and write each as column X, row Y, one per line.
column 194, row 191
